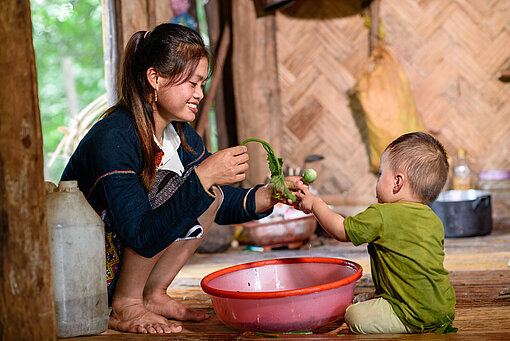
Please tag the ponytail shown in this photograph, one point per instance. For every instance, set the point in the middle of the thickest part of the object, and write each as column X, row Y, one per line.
column 174, row 51
column 133, row 95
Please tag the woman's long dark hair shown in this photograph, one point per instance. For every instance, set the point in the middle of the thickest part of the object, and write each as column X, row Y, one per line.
column 175, row 52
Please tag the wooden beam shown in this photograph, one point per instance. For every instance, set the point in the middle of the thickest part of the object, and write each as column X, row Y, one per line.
column 375, row 12
column 27, row 310
column 256, row 87
column 214, row 26
column 112, row 45
column 203, row 120
column 121, row 19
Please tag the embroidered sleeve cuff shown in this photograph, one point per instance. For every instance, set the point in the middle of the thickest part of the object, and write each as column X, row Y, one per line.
column 250, row 204
column 207, row 190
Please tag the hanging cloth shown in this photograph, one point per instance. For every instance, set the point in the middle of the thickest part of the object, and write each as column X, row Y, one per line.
column 383, row 90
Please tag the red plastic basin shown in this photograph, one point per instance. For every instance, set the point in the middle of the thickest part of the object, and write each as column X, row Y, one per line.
column 283, row 295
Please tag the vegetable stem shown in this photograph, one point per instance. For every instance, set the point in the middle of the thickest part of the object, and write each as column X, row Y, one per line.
column 275, row 167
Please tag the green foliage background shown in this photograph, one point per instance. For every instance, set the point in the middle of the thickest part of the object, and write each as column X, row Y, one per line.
column 66, row 28
column 73, row 28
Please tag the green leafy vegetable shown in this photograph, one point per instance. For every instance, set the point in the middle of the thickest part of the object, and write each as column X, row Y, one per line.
column 275, row 167
column 309, row 176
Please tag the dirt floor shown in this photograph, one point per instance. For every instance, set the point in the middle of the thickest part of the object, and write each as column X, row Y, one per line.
column 479, row 271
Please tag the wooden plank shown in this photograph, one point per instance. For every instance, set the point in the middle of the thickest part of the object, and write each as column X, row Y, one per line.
column 256, row 88
column 27, row 310
column 112, row 50
column 215, row 22
column 375, row 12
column 479, row 315
column 310, row 113
column 203, row 120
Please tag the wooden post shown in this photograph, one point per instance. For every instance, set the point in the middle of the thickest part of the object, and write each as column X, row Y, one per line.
column 27, row 310
column 215, row 22
column 203, row 120
column 256, row 87
column 112, row 39
column 121, row 19
column 375, row 12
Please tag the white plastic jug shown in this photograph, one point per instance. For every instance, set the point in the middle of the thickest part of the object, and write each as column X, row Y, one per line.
column 78, row 262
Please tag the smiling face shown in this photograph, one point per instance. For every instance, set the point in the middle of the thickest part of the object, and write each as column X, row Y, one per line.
column 179, row 102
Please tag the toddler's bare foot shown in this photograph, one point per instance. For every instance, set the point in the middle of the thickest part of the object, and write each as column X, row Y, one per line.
column 363, row 297
column 135, row 318
column 162, row 304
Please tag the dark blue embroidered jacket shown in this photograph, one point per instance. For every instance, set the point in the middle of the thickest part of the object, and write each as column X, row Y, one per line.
column 107, row 164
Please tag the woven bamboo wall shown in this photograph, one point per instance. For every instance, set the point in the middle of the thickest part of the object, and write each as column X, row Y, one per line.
column 452, row 53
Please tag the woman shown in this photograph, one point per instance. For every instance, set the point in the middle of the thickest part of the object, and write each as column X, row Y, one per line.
column 148, row 174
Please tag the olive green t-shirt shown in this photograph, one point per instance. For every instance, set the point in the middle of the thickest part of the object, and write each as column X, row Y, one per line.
column 406, row 247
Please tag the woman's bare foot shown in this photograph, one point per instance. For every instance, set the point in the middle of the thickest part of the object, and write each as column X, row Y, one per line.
column 162, row 304
column 135, row 318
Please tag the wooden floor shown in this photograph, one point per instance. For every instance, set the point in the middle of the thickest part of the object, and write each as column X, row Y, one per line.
column 479, row 272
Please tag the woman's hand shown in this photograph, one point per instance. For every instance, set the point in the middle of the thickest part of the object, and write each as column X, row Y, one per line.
column 225, row 167
column 265, row 200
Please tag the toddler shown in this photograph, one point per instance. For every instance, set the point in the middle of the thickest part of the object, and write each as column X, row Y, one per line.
column 405, row 241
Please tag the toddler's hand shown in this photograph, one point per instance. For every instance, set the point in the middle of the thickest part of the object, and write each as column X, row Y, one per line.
column 305, row 199
column 293, row 183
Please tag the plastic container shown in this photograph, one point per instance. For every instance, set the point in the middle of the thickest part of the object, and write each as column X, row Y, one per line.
column 286, row 226
column 462, row 176
column 497, row 182
column 78, row 262
column 278, row 233
column 283, row 295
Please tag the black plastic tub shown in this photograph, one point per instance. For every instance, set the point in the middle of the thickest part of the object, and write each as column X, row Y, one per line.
column 464, row 213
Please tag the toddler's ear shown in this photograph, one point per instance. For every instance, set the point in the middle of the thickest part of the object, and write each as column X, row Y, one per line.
column 398, row 182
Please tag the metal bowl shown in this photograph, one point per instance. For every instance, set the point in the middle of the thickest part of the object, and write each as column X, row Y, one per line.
column 464, row 213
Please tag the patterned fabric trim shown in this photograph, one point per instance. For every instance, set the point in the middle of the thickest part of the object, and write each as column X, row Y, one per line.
column 113, row 250
column 165, row 185
column 208, row 191
column 198, row 158
column 112, row 258
column 159, row 156
column 107, row 174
